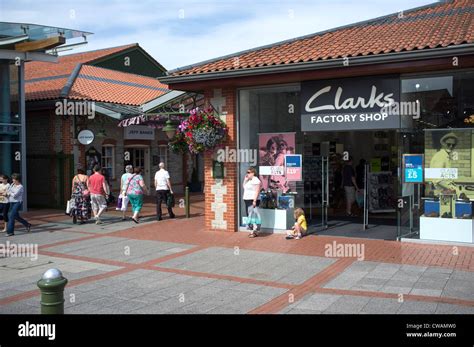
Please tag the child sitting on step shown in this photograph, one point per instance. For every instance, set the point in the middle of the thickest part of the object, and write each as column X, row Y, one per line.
column 300, row 227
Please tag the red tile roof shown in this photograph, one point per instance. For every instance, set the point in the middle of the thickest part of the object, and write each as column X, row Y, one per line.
column 67, row 63
column 104, row 85
column 46, row 80
column 437, row 25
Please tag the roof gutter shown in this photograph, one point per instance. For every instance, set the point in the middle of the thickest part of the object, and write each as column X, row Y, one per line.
column 450, row 51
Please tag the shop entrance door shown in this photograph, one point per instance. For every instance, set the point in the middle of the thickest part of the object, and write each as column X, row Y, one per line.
column 140, row 157
column 331, row 190
column 373, row 213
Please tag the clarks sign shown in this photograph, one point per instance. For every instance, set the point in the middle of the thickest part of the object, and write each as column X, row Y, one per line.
column 349, row 104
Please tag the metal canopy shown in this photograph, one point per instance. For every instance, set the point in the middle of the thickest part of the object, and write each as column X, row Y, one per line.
column 37, row 32
column 174, row 102
column 117, row 111
column 174, row 105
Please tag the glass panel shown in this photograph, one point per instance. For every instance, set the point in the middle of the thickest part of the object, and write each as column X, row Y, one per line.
column 442, row 134
column 8, row 156
column 10, row 129
column 10, row 133
column 269, row 128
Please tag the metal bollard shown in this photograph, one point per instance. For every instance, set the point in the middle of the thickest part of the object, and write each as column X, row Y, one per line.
column 52, row 286
column 186, row 201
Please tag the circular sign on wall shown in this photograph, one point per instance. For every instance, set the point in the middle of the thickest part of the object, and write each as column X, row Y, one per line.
column 85, row 137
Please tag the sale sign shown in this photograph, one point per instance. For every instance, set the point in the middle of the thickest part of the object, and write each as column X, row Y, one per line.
column 413, row 168
column 293, row 167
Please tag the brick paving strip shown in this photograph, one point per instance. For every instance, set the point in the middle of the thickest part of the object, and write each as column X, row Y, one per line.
column 376, row 250
column 299, row 291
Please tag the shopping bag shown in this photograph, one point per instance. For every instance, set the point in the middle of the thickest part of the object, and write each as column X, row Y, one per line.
column 360, row 198
column 119, row 203
column 170, row 201
column 254, row 216
column 68, row 207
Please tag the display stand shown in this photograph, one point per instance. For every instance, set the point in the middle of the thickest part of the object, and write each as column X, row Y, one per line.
column 380, row 192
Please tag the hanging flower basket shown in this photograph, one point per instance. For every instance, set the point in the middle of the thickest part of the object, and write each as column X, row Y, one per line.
column 201, row 132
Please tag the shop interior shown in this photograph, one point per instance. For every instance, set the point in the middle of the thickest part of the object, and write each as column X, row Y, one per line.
column 375, row 161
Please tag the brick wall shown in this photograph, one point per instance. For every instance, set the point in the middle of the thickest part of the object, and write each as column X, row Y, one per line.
column 221, row 195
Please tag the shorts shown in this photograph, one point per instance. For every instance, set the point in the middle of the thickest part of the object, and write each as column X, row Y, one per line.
column 350, row 193
column 98, row 202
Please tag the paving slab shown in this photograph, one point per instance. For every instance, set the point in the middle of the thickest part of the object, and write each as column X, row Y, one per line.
column 285, row 268
column 121, row 249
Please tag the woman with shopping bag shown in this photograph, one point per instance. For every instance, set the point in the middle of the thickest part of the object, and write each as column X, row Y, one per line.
column 123, row 199
column 251, row 199
column 80, row 205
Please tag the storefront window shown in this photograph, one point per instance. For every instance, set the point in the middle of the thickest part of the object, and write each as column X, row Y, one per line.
column 10, row 118
column 269, row 129
column 108, row 160
column 163, row 154
column 442, row 205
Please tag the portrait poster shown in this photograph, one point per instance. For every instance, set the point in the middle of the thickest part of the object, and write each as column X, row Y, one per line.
column 448, row 162
column 272, row 150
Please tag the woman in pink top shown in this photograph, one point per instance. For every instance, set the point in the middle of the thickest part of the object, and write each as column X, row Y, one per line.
column 134, row 191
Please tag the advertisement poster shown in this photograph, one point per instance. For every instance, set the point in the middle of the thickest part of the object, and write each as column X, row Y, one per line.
column 272, row 150
column 293, row 169
column 413, row 168
column 448, row 162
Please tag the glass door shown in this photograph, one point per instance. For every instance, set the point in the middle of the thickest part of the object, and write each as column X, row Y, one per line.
column 410, row 204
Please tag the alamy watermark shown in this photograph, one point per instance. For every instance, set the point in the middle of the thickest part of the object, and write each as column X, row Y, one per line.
column 75, row 108
column 402, row 108
column 345, row 250
column 19, row 250
column 231, row 155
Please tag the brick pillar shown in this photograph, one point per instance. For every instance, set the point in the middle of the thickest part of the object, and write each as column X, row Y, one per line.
column 221, row 194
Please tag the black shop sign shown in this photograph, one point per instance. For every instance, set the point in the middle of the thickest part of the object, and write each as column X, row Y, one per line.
column 350, row 104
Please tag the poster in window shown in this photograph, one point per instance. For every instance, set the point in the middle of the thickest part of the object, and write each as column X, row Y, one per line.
column 448, row 162
column 272, row 150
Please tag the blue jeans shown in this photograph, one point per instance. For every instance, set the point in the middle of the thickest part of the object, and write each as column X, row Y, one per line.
column 14, row 214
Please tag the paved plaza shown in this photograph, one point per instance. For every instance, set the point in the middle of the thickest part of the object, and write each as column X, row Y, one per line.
column 177, row 267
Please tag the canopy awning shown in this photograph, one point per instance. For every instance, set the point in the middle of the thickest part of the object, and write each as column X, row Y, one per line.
column 174, row 105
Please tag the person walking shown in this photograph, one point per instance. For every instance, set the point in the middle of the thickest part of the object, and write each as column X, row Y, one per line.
column 82, row 206
column 251, row 196
column 99, row 191
column 135, row 191
column 15, row 194
column 350, row 186
column 123, row 190
column 4, row 204
column 163, row 189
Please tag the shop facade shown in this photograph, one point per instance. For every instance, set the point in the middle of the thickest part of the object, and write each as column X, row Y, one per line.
column 87, row 110
column 407, row 112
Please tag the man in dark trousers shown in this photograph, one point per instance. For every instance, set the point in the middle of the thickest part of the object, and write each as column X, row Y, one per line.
column 350, row 186
column 163, row 189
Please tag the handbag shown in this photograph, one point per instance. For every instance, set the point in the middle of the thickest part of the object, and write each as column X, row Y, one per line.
column 110, row 199
column 170, row 202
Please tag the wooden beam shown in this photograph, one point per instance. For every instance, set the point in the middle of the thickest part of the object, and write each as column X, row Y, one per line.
column 45, row 44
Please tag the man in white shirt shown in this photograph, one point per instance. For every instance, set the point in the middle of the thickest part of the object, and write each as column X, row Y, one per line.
column 163, row 189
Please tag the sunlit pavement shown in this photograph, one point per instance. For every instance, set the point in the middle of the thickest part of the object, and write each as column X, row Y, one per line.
column 175, row 266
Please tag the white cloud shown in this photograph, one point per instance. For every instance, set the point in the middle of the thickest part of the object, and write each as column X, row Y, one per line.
column 209, row 28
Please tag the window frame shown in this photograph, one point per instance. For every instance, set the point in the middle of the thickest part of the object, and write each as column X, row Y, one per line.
column 112, row 157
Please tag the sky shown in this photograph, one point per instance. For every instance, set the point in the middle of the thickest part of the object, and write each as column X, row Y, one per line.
column 183, row 32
